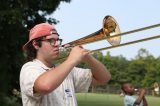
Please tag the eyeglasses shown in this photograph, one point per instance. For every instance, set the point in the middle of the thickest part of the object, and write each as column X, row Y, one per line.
column 53, row 41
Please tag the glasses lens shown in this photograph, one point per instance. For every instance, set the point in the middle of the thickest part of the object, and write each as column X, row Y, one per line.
column 53, row 41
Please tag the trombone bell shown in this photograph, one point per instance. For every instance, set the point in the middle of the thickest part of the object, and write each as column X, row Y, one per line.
column 111, row 28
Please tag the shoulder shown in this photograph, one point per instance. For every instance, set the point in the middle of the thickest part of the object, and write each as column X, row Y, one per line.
column 32, row 66
column 129, row 98
column 28, row 65
column 31, row 70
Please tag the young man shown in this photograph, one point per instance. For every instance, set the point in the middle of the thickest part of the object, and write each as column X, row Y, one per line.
column 43, row 84
column 129, row 99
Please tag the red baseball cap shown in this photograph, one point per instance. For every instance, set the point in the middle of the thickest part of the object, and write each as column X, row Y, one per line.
column 39, row 30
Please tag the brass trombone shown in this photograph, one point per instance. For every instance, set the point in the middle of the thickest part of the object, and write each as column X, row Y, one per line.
column 155, row 88
column 110, row 27
column 111, row 32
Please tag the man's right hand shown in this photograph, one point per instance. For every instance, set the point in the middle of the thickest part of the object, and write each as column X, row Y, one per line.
column 77, row 54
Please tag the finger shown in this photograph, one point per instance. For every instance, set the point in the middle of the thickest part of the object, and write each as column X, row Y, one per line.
column 80, row 46
column 86, row 52
column 67, row 45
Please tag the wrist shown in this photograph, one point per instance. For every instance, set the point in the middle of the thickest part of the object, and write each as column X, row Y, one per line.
column 87, row 58
column 71, row 62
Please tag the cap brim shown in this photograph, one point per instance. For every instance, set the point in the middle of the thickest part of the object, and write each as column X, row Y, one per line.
column 25, row 46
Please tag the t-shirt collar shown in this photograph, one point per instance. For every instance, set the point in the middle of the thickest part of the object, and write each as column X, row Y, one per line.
column 42, row 64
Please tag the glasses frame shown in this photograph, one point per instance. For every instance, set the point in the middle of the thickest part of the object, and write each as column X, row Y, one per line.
column 53, row 41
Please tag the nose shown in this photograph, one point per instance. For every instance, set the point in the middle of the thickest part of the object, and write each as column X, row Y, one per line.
column 56, row 43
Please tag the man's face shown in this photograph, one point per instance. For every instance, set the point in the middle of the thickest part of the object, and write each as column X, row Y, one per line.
column 50, row 47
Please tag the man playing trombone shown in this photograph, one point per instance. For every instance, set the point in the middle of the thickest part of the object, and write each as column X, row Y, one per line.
column 44, row 84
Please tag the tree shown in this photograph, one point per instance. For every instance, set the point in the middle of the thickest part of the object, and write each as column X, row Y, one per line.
column 153, row 71
column 117, row 65
column 142, row 69
column 16, row 19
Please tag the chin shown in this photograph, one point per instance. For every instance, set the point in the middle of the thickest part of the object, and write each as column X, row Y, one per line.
column 55, row 57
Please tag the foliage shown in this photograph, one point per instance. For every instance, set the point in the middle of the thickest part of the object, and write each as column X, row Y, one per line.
column 142, row 71
column 16, row 19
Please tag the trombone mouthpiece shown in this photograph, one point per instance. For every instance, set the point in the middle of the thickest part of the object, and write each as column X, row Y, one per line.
column 136, row 90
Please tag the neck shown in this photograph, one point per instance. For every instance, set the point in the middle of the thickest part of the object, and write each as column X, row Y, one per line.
column 46, row 62
column 129, row 94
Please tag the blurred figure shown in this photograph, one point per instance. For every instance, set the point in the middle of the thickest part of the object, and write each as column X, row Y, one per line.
column 129, row 99
column 156, row 89
column 121, row 94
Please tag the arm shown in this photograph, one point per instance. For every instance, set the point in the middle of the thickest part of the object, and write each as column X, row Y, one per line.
column 50, row 80
column 145, row 101
column 100, row 74
column 140, row 97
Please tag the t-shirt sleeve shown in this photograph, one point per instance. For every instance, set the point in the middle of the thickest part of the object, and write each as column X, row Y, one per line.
column 82, row 79
column 29, row 73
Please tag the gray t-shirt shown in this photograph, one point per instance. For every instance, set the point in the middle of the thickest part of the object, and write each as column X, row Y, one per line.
column 129, row 101
column 78, row 80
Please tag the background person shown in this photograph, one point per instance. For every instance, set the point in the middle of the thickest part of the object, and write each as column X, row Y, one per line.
column 130, row 99
column 156, row 89
column 43, row 84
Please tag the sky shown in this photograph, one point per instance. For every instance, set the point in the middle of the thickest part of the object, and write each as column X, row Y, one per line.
column 80, row 18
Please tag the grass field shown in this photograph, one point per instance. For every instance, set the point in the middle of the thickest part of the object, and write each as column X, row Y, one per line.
column 93, row 99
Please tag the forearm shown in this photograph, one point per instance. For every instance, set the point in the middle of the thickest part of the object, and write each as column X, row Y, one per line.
column 99, row 71
column 51, row 79
column 145, row 102
column 140, row 97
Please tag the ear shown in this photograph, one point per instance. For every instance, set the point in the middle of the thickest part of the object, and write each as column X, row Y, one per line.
column 35, row 45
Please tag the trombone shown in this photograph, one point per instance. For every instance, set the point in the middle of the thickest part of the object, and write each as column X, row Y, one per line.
column 110, row 31
column 155, row 88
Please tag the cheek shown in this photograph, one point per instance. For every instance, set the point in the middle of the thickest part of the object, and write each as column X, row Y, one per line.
column 44, row 49
column 48, row 51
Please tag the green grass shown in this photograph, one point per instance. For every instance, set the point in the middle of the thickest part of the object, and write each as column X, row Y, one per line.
column 93, row 99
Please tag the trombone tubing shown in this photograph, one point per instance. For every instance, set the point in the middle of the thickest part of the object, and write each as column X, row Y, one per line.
column 131, row 31
column 137, row 30
column 123, row 44
column 125, row 33
column 128, row 43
